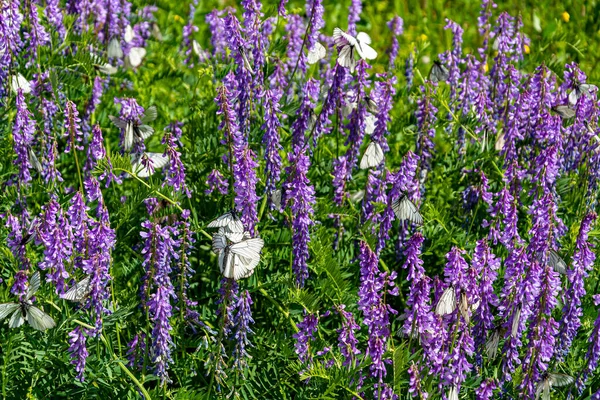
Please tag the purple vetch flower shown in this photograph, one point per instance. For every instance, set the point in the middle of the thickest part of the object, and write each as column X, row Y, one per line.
column 78, row 351
column 382, row 95
column 484, row 25
column 95, row 150
column 11, row 43
column 232, row 136
column 485, row 265
column 414, row 382
column 23, row 136
column 135, row 351
column 357, row 118
column 242, row 321
column 37, row 35
column 335, row 97
column 583, row 262
column 216, row 181
column 132, row 112
column 306, row 332
column 354, row 15
column 56, row 235
column 160, row 310
column 244, row 185
column 96, row 98
column 228, row 298
column 73, row 128
column 281, row 8
column 403, row 182
column 20, row 284
column 218, row 33
column 340, row 173
column 188, row 32
column 346, row 339
column 175, row 174
column 374, row 193
column 296, row 59
column 453, row 59
column 409, row 68
column 383, row 391
column 271, row 140
column 305, row 121
column 185, row 272
column 486, row 389
column 20, row 231
column 300, row 194
column 426, row 120
column 315, row 11
column 54, row 15
column 374, row 287
column 396, row 25
column 479, row 191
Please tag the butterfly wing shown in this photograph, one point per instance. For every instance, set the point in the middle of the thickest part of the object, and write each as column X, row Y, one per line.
column 316, row 54
column 363, row 47
column 144, row 131
column 370, row 121
column 6, row 309
column 363, row 37
column 491, row 344
column 340, row 37
column 219, row 243
column 128, row 37
column 565, row 112
column 515, row 323
column 33, row 160
column 249, row 248
column 17, row 319
column 118, row 122
column 34, row 285
column 114, row 49
column 373, row 156
column 447, row 302
column 158, row 161
column 438, row 72
column 149, row 115
column 19, row 82
column 229, row 220
column 559, row 380
column 38, row 319
column 135, row 56
column 557, row 263
column 79, row 291
column 406, row 210
column 574, row 96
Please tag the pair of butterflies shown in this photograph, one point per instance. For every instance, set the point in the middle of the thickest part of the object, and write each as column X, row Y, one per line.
column 238, row 251
column 24, row 310
column 569, row 111
column 349, row 46
column 136, row 54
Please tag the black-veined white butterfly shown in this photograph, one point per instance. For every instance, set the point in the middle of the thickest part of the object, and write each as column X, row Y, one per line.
column 135, row 56
column 129, row 34
column 438, row 72
column 514, row 329
column 447, row 302
column 565, row 112
column 79, row 291
column 230, row 221
column 19, row 82
column 373, row 156
column 557, row 263
column 370, row 121
column 237, row 260
column 136, row 131
column 33, row 160
column 371, row 105
column 492, row 342
column 348, row 45
column 246, row 59
column 317, row 53
column 24, row 310
column 30, row 233
column 114, row 49
column 406, row 210
column 275, row 199
column 579, row 90
column 453, row 393
column 549, row 381
column 143, row 170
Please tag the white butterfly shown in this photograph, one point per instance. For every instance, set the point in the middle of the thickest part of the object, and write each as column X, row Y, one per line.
column 133, row 130
column 581, row 89
column 549, row 381
column 275, row 198
column 158, row 160
column 33, row 160
column 19, row 82
column 370, row 121
column 557, row 263
column 25, row 310
column 515, row 323
column 317, row 53
column 349, row 44
column 135, row 57
column 129, row 34
column 114, row 49
column 447, row 302
column 565, row 112
column 79, row 291
column 247, row 62
column 452, row 393
column 237, row 260
column 373, row 156
column 200, row 52
column 406, row 210
column 438, row 72
column 491, row 344
column 107, row 69
column 156, row 32
column 230, row 221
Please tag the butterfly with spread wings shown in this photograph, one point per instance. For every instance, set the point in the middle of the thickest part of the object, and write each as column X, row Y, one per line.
column 78, row 292
column 146, row 164
column 580, row 90
column 549, row 381
column 438, row 72
column 136, row 131
column 24, row 310
column 349, row 45
column 229, row 221
column 239, row 254
column 407, row 210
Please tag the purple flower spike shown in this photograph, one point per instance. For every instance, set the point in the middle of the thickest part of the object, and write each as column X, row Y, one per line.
column 347, row 340
column 23, row 135
column 175, row 174
column 72, row 125
column 396, row 25
column 78, row 351
column 271, row 140
column 306, row 333
column 242, row 320
column 216, row 181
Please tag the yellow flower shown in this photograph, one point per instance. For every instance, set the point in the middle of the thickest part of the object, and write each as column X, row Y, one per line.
column 565, row 16
column 526, row 49
column 177, row 18
column 423, row 37
column 486, row 67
